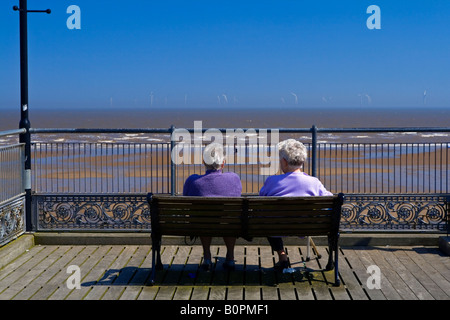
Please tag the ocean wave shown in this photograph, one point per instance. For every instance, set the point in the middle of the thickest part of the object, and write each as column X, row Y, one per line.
column 431, row 135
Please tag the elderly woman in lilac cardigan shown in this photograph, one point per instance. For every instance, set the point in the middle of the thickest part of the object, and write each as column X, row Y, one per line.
column 292, row 183
column 214, row 183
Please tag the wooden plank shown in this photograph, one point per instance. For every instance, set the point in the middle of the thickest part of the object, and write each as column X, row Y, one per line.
column 91, row 276
column 140, row 278
column 58, row 267
column 200, row 231
column 302, row 208
column 434, row 271
column 183, row 293
column 410, row 280
column 349, row 278
column 391, row 274
column 386, row 287
column 208, row 220
column 44, row 262
column 22, row 269
column 213, row 212
column 299, row 277
column 359, row 270
column 252, row 273
column 56, row 287
column 110, row 274
column 236, row 277
column 255, row 233
column 150, row 292
column 434, row 290
column 48, row 269
column 252, row 293
column 86, row 264
column 318, row 281
column 285, row 228
column 339, row 293
column 190, row 270
column 219, row 281
column 294, row 219
column 200, row 293
column 439, row 261
column 125, row 274
column 199, row 227
column 268, row 278
column 174, row 270
column 16, row 264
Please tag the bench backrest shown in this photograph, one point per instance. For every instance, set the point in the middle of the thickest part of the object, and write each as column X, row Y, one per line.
column 251, row 216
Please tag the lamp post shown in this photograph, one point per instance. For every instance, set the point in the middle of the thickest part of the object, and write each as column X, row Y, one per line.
column 24, row 120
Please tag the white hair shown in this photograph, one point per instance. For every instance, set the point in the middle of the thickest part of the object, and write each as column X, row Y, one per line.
column 294, row 152
column 213, row 156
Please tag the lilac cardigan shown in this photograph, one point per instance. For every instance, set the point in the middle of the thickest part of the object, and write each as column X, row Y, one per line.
column 214, row 183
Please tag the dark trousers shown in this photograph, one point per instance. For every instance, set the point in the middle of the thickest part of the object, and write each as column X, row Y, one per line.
column 276, row 243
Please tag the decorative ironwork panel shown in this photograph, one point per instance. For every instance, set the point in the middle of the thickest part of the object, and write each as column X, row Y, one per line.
column 12, row 219
column 131, row 212
column 394, row 212
column 90, row 212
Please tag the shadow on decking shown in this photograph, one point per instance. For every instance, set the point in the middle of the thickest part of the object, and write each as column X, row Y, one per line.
column 192, row 275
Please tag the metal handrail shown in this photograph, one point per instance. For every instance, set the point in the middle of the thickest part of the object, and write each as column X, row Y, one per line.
column 12, row 132
column 280, row 130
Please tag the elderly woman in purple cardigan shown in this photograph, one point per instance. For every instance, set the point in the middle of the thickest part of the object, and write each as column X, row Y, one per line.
column 214, row 183
column 292, row 183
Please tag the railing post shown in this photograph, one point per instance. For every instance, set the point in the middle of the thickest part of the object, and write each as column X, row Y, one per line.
column 24, row 120
column 172, row 164
column 314, row 151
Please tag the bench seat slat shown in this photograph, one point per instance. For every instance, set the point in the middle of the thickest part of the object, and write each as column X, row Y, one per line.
column 200, row 206
column 286, row 206
column 199, row 213
column 200, row 233
column 293, row 214
column 200, row 219
column 288, row 219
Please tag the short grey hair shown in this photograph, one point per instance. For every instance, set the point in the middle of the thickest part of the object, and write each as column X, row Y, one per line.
column 213, row 156
column 294, row 152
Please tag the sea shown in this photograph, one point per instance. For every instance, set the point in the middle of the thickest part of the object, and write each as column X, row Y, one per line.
column 244, row 118
column 356, row 161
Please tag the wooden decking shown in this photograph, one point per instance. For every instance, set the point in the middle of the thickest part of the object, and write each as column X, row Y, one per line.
column 117, row 272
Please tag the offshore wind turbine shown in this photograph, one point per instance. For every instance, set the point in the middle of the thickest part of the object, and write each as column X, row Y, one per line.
column 295, row 98
column 360, row 99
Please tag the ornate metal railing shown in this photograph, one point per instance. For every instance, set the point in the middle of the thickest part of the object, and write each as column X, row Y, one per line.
column 92, row 212
column 12, row 195
column 395, row 212
column 101, row 185
column 360, row 212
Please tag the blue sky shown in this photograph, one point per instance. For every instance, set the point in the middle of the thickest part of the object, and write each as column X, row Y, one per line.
column 234, row 54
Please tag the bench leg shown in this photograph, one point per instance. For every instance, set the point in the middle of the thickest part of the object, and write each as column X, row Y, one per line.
column 308, row 248
column 156, row 259
column 337, row 282
column 333, row 250
column 330, row 264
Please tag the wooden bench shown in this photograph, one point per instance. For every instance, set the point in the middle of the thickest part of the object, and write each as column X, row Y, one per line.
column 246, row 217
